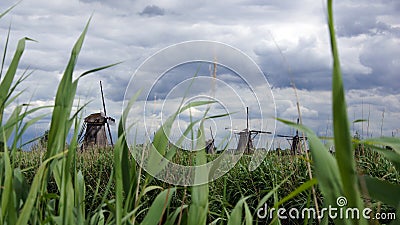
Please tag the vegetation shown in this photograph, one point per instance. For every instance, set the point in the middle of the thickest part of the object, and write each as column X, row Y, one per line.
column 59, row 185
column 97, row 166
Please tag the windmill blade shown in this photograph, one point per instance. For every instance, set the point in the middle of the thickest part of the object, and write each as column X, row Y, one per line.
column 82, row 132
column 285, row 136
column 105, row 114
column 260, row 132
column 289, row 137
column 233, row 130
column 212, row 136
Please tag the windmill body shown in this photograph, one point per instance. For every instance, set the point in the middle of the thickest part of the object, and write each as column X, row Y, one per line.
column 93, row 133
column 245, row 143
column 295, row 141
column 247, row 136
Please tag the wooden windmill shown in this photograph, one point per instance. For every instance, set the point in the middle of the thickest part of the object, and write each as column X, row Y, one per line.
column 210, row 144
column 93, row 132
column 247, row 136
column 294, row 141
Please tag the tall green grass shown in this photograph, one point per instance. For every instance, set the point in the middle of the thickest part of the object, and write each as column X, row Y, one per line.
column 226, row 192
column 62, row 191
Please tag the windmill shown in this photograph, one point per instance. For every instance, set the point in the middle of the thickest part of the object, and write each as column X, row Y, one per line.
column 210, row 146
column 93, row 132
column 294, row 141
column 247, row 136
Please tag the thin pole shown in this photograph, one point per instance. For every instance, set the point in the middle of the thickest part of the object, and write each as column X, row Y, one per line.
column 362, row 116
column 247, row 115
column 247, row 130
column 383, row 116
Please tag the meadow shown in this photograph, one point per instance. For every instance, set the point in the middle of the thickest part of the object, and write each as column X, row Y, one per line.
column 97, row 165
column 59, row 185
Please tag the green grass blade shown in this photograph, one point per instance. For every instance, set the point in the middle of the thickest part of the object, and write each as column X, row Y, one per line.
column 9, row 126
column 7, row 203
column 194, row 104
column 171, row 220
column 97, row 218
column 271, row 192
column 247, row 214
column 122, row 166
column 198, row 208
column 325, row 167
column 80, row 197
column 21, row 189
column 16, row 118
column 235, row 218
column 157, row 208
column 63, row 102
column 5, row 51
column 9, row 9
column 128, row 215
column 158, row 149
column 27, row 125
column 305, row 186
column 11, row 96
column 118, row 149
column 344, row 152
column 33, row 192
column 392, row 142
column 379, row 189
column 10, row 74
column 98, row 69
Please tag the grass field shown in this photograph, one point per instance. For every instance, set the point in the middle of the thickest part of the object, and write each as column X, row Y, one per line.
column 97, row 165
column 59, row 185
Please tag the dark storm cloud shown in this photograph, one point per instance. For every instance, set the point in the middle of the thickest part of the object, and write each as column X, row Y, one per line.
column 377, row 59
column 364, row 18
column 152, row 10
column 383, row 57
column 368, row 40
column 304, row 64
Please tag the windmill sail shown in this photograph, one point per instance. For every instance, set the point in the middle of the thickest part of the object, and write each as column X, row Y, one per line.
column 105, row 114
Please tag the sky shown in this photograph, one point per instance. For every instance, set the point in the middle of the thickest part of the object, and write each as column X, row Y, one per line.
column 287, row 40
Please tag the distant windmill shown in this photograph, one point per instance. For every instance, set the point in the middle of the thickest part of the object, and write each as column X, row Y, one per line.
column 210, row 146
column 247, row 136
column 93, row 131
column 294, row 141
